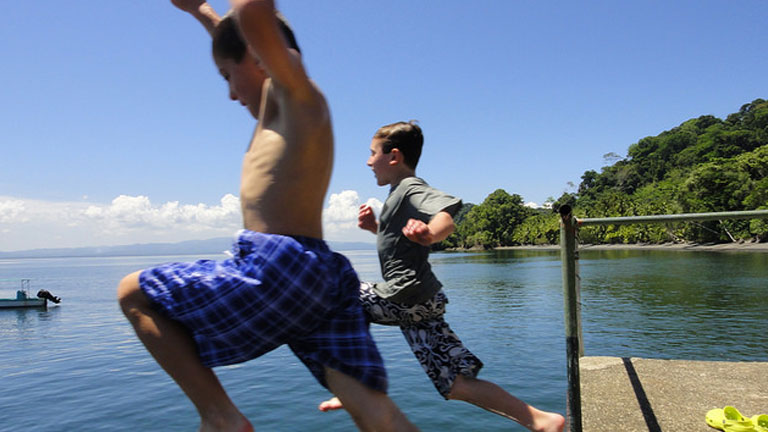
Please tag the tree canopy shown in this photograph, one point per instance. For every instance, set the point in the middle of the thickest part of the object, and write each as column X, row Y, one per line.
column 703, row 165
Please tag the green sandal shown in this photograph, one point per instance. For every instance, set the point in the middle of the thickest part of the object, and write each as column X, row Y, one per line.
column 735, row 422
column 715, row 418
column 761, row 422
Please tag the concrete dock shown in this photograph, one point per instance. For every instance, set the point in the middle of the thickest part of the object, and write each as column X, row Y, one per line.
column 636, row 394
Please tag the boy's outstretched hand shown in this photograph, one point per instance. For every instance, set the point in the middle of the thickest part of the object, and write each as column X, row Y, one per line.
column 366, row 219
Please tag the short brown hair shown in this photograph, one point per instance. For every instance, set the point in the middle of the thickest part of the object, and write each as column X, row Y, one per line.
column 404, row 136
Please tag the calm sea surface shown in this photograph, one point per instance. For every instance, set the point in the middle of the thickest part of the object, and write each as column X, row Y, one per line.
column 79, row 367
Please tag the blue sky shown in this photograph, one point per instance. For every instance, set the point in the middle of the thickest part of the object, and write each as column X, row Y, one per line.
column 117, row 129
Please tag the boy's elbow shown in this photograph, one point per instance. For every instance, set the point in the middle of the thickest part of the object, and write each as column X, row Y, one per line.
column 449, row 230
column 239, row 5
column 443, row 233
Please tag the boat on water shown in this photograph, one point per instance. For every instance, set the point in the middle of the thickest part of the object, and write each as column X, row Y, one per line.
column 24, row 300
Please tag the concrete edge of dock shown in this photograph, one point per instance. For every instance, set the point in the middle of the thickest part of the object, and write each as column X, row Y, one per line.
column 637, row 394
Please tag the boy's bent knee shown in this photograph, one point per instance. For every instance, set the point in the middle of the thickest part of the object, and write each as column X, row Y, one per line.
column 459, row 388
column 129, row 293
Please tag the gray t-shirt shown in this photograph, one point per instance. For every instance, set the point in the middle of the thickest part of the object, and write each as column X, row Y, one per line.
column 408, row 277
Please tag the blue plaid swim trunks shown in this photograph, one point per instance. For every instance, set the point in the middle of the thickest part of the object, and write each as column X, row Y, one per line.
column 441, row 353
column 275, row 290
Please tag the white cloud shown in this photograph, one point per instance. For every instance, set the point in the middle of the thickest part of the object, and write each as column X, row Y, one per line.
column 127, row 213
column 31, row 224
column 11, row 211
column 342, row 207
column 340, row 217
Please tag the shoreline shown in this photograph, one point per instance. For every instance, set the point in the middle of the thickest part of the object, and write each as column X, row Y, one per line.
column 709, row 247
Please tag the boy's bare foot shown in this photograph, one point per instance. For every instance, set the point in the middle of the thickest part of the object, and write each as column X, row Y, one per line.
column 330, row 405
column 550, row 422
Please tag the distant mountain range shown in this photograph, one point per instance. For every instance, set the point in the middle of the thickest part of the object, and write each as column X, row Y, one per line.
column 189, row 247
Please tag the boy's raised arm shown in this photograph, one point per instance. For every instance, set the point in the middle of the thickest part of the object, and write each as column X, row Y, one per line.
column 258, row 26
column 201, row 10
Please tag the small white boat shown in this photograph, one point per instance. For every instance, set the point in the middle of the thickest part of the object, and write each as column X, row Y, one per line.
column 24, row 300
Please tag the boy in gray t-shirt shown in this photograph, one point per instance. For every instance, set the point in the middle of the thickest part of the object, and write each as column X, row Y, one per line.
column 414, row 217
column 408, row 277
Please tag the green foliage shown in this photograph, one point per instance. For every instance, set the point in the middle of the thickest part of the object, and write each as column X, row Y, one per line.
column 759, row 227
column 704, row 165
column 539, row 229
column 565, row 199
column 715, row 186
column 493, row 222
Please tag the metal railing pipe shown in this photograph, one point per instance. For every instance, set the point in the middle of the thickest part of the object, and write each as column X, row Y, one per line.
column 684, row 217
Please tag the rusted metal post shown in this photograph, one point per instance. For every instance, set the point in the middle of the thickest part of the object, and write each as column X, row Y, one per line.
column 571, row 296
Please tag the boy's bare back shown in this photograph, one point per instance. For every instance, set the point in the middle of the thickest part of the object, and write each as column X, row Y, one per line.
column 287, row 167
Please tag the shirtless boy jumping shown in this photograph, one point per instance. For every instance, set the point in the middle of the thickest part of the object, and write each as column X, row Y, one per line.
column 283, row 285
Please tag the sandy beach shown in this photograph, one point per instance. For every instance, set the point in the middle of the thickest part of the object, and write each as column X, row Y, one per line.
column 720, row 247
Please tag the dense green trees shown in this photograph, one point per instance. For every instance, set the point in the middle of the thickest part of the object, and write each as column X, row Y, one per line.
column 706, row 164
column 491, row 223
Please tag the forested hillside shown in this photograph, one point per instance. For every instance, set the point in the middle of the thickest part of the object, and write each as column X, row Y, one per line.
column 705, row 164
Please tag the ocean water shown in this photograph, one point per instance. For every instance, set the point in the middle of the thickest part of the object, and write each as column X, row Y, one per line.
column 79, row 367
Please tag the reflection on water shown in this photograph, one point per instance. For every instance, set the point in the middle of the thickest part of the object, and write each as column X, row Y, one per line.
column 24, row 322
column 671, row 304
